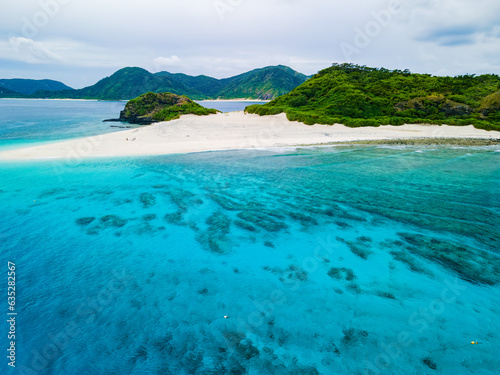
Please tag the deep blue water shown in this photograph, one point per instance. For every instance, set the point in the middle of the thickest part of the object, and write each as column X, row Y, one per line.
column 344, row 260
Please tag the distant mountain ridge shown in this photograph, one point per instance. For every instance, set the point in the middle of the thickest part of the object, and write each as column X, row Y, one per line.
column 6, row 93
column 265, row 83
column 30, row 86
column 128, row 83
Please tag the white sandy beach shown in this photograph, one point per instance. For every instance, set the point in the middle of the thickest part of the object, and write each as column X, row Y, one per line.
column 229, row 131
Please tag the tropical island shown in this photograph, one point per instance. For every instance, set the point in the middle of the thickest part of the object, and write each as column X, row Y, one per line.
column 357, row 96
column 150, row 108
column 348, row 103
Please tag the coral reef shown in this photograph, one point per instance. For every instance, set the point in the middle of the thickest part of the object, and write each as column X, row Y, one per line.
column 471, row 264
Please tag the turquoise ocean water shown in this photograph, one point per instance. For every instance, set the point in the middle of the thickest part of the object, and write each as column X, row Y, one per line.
column 341, row 260
column 24, row 122
column 34, row 121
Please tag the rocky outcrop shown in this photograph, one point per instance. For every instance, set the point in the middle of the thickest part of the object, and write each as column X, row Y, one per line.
column 490, row 105
column 429, row 105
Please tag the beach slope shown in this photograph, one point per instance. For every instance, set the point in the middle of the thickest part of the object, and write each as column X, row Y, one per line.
column 230, row 131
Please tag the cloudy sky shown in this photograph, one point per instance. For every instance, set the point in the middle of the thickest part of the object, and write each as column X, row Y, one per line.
column 81, row 41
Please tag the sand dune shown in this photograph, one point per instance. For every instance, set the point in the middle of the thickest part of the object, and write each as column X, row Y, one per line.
column 227, row 131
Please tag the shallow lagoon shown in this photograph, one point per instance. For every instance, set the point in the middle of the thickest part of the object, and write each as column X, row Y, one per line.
column 347, row 260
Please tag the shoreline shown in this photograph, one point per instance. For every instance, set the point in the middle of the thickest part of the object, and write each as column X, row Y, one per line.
column 66, row 99
column 237, row 131
column 466, row 142
column 234, row 100
column 127, row 100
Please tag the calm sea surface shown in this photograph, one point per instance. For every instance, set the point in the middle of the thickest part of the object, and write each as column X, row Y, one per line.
column 227, row 106
column 25, row 122
column 342, row 260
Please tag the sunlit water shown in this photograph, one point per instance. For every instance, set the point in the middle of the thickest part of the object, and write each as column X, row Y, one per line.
column 346, row 260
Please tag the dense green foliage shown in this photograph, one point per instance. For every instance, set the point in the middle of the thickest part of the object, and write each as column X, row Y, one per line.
column 30, row 86
column 204, row 86
column 6, row 93
column 360, row 96
column 127, row 83
column 266, row 83
column 153, row 107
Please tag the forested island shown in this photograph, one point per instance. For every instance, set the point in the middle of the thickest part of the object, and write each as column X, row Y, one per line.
column 155, row 107
column 357, row 96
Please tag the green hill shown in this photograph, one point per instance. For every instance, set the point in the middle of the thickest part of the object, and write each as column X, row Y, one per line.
column 360, row 96
column 6, row 93
column 154, row 107
column 30, row 86
column 207, row 87
column 127, row 83
column 266, row 83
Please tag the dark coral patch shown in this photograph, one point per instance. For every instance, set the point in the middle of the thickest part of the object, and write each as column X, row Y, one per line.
column 341, row 273
column 147, row 200
column 471, row 264
column 112, row 221
column 84, row 220
column 175, row 218
column 244, row 225
column 215, row 237
column 359, row 248
column 263, row 221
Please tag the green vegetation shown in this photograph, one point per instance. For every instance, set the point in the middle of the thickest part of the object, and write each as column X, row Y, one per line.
column 266, row 83
column 6, row 93
column 128, row 83
column 23, row 87
column 360, row 96
column 204, row 87
column 151, row 107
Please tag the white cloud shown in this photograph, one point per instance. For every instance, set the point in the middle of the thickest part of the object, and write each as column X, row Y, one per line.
column 161, row 62
column 456, row 36
column 27, row 50
column 63, row 52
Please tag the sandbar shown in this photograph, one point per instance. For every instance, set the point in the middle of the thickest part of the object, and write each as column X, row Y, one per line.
column 230, row 131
